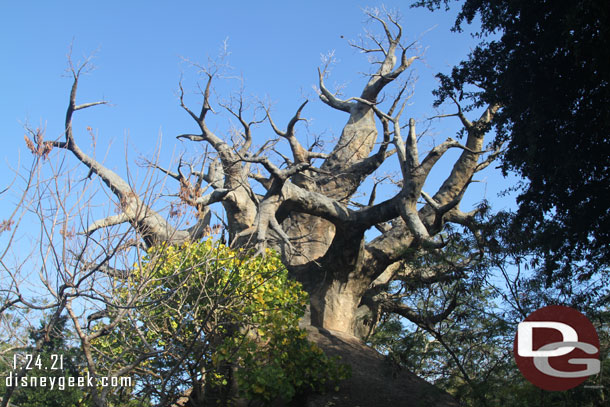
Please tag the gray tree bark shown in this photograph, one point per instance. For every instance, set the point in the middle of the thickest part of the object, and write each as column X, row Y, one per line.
column 306, row 211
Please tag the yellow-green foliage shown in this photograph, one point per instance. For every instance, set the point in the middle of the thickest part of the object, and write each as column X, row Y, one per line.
column 224, row 309
column 208, row 283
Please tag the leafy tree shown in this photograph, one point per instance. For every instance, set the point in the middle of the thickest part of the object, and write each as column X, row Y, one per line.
column 548, row 64
column 469, row 353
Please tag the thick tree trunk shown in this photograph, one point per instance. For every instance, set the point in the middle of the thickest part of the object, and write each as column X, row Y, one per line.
column 335, row 286
column 306, row 212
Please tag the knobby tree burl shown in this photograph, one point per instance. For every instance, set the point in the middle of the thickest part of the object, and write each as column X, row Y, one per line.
column 301, row 205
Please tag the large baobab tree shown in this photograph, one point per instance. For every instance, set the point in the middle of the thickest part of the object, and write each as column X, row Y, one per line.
column 301, row 203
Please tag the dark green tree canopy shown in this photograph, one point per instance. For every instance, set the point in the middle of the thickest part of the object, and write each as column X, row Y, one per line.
column 548, row 64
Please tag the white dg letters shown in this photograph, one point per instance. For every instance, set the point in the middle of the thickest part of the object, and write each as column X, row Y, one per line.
column 525, row 339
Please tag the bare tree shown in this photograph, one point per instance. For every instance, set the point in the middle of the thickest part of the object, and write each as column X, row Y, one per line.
column 304, row 210
column 66, row 272
column 302, row 204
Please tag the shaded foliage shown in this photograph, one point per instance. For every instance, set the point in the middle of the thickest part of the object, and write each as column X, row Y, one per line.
column 548, row 64
column 469, row 354
column 46, row 364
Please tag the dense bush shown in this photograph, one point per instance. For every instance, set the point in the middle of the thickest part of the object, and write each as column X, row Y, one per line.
column 219, row 324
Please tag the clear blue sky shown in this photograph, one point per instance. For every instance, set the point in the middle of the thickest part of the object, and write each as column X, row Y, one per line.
column 275, row 46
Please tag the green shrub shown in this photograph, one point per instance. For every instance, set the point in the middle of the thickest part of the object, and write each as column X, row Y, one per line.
column 225, row 318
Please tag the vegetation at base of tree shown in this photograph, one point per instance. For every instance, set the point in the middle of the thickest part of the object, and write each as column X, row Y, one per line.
column 197, row 322
column 214, row 319
column 470, row 353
